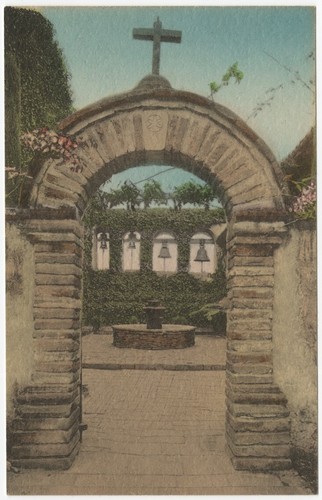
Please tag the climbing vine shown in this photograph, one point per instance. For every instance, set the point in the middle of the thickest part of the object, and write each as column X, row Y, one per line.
column 114, row 296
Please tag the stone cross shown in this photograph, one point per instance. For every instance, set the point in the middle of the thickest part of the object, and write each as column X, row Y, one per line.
column 158, row 35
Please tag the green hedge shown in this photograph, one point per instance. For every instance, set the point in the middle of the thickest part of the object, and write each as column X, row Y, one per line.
column 113, row 296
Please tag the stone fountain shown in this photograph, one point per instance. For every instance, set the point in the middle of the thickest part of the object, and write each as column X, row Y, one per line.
column 153, row 335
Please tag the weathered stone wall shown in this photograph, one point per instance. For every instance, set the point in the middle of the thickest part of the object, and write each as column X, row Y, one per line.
column 20, row 281
column 295, row 336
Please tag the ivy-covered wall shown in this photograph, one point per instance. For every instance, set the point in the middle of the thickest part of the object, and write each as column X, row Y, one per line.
column 114, row 296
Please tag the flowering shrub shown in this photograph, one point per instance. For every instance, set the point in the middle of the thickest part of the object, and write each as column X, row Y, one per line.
column 56, row 145
column 304, row 205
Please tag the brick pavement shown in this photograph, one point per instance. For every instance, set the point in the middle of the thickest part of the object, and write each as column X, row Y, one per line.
column 153, row 432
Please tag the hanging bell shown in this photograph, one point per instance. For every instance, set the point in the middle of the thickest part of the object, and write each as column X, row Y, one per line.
column 164, row 252
column 132, row 239
column 202, row 255
column 102, row 237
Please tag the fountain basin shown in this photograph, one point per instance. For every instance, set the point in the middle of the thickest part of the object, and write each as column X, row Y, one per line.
column 141, row 337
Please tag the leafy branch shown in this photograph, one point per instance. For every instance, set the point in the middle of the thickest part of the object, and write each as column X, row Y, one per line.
column 233, row 72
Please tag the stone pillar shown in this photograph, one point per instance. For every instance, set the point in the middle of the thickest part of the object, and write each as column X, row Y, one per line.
column 257, row 423
column 48, row 415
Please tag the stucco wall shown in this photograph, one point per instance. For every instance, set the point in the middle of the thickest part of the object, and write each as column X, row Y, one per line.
column 295, row 334
column 20, row 279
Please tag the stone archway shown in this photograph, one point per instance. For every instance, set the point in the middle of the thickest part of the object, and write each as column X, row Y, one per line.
column 157, row 124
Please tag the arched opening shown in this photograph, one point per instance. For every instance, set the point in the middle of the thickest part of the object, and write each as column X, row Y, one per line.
column 206, row 139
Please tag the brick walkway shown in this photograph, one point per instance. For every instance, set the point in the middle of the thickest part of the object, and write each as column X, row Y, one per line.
column 153, row 432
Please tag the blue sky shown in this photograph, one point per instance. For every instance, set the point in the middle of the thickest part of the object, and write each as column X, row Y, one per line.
column 103, row 60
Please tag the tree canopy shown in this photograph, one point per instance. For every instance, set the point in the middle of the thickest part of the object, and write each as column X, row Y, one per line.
column 131, row 197
column 44, row 79
column 37, row 89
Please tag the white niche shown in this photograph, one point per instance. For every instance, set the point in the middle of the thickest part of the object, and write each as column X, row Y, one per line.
column 131, row 249
column 165, row 253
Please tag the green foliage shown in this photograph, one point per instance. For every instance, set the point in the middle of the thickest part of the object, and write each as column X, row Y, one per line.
column 12, row 111
column 193, row 193
column 37, row 91
column 152, row 192
column 131, row 197
column 45, row 90
column 210, row 313
column 12, row 124
column 233, row 72
column 112, row 297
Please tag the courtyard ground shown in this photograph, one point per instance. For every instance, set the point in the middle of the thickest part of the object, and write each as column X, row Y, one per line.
column 156, row 426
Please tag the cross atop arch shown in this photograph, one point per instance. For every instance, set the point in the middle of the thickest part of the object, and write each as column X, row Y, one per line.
column 157, row 35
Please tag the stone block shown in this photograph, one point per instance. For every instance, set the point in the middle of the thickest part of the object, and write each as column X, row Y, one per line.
column 245, row 378
column 49, row 292
column 56, row 279
column 46, row 436
column 56, row 313
column 252, row 303
column 57, row 366
column 250, row 358
column 47, row 463
column 251, row 281
column 57, row 194
column 55, row 356
column 235, row 260
column 52, row 237
column 211, row 138
column 60, row 344
column 250, row 346
column 48, row 424
column 43, row 302
column 251, row 271
column 54, row 378
column 56, row 324
column 250, row 368
column 61, row 269
column 252, row 292
column 252, row 249
column 248, row 335
column 223, row 150
column 257, row 411
column 58, row 335
column 50, row 397
column 55, row 226
column 258, row 438
column 59, row 247
column 259, row 227
column 60, row 180
column 45, row 450
column 44, row 411
column 265, row 451
column 195, row 137
column 249, row 314
column 257, row 239
column 245, row 424
column 265, row 398
column 248, row 324
column 261, row 464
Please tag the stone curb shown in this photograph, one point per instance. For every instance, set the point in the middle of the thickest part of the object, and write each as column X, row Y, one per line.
column 128, row 366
